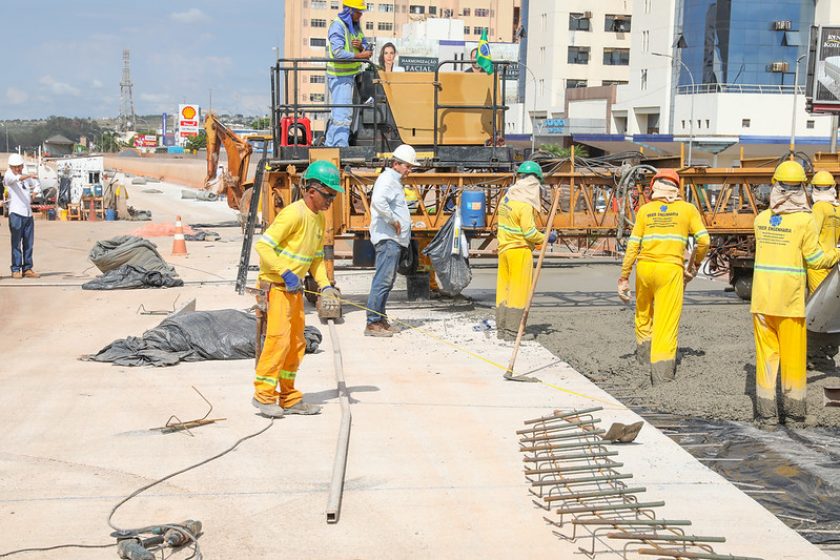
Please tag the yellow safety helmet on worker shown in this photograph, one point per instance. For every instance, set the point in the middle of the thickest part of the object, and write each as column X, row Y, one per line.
column 356, row 4
column 789, row 174
column 823, row 179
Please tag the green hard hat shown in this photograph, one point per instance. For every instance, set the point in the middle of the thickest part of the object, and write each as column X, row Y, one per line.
column 326, row 173
column 530, row 168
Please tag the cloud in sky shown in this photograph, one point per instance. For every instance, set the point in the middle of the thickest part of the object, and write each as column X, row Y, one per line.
column 177, row 56
column 193, row 15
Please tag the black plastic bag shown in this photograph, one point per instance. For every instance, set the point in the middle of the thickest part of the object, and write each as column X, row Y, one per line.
column 453, row 271
column 409, row 259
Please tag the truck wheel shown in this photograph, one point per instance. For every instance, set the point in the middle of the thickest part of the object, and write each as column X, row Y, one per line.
column 743, row 286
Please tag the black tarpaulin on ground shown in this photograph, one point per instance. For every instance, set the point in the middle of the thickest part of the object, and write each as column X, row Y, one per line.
column 111, row 254
column 225, row 334
column 130, row 277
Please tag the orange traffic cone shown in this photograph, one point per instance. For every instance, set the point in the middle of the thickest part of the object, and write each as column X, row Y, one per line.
column 179, row 246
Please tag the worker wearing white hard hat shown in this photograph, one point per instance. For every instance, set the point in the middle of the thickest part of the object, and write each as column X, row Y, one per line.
column 390, row 233
column 21, row 223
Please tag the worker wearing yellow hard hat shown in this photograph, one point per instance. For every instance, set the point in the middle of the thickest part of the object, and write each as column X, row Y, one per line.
column 658, row 242
column 826, row 210
column 346, row 48
column 786, row 245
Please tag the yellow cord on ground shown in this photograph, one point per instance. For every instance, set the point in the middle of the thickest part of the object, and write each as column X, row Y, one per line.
column 466, row 351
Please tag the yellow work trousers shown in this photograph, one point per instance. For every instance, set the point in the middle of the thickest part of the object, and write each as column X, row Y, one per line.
column 780, row 341
column 282, row 351
column 659, row 300
column 513, row 282
column 816, row 277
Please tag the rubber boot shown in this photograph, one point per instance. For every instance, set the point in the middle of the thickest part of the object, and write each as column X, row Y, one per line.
column 663, row 372
column 643, row 353
column 765, row 414
column 796, row 412
column 513, row 317
column 501, row 321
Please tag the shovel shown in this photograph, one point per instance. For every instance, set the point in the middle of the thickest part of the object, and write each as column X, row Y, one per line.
column 831, row 396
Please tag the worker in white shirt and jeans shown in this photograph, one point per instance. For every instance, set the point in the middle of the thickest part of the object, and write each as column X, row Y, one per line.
column 390, row 232
column 21, row 223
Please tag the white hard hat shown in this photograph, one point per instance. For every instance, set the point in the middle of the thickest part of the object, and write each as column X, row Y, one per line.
column 15, row 160
column 406, row 154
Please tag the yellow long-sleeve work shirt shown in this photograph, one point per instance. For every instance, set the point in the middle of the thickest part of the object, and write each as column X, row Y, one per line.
column 660, row 235
column 295, row 242
column 785, row 245
column 827, row 217
column 517, row 228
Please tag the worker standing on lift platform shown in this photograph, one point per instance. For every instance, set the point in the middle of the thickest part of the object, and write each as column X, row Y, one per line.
column 346, row 45
column 785, row 246
column 658, row 242
column 292, row 246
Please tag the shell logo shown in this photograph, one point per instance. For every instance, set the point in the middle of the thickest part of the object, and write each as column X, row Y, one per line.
column 188, row 112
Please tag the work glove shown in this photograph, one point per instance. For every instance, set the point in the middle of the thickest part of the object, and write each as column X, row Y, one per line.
column 293, row 284
column 552, row 237
column 624, row 289
column 330, row 299
column 689, row 273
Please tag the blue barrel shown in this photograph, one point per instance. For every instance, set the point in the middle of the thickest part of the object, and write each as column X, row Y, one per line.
column 110, row 214
column 87, row 191
column 473, row 209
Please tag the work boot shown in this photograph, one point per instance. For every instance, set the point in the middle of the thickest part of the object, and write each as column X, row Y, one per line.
column 501, row 321
column 270, row 410
column 377, row 329
column 30, row 274
column 663, row 371
column 393, row 329
column 794, row 408
column 800, row 422
column 643, row 353
column 767, row 423
column 303, row 408
column 765, row 408
column 17, row 274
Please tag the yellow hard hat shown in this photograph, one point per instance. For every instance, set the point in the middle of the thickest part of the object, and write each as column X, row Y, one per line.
column 789, row 172
column 823, row 179
column 356, row 4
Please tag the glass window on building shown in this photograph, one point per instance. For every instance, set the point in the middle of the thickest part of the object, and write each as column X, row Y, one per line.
column 316, row 79
column 319, row 4
column 319, row 23
column 477, row 30
column 643, row 79
column 334, row 5
column 316, row 97
column 385, row 26
column 616, row 57
column 617, row 23
column 432, row 10
column 416, row 9
column 614, row 82
column 465, row 12
column 482, row 12
column 578, row 55
column 447, row 13
column 575, row 84
column 386, row 8
column 368, row 26
column 579, row 22
column 809, row 124
column 316, row 42
column 653, row 123
column 744, row 123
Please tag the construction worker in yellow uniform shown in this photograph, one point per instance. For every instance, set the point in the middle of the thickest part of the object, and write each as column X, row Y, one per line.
column 292, row 246
column 826, row 210
column 786, row 245
column 517, row 236
column 658, row 242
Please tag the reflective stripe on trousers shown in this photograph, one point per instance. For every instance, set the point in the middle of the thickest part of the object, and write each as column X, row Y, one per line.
column 341, row 93
column 282, row 351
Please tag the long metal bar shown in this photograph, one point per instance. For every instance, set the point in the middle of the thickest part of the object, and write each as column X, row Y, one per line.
column 588, row 468
column 595, row 494
column 670, row 553
column 340, row 463
column 671, row 538
column 595, row 508
column 558, row 414
column 582, row 480
column 575, row 457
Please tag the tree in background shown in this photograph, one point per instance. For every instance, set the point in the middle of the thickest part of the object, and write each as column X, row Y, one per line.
column 261, row 123
column 197, row 142
column 562, row 152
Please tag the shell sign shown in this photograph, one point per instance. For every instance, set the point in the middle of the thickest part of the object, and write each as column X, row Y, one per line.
column 188, row 120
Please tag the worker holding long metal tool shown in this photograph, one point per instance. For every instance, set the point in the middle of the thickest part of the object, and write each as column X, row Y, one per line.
column 517, row 235
column 826, row 212
column 658, row 242
column 292, row 246
column 786, row 245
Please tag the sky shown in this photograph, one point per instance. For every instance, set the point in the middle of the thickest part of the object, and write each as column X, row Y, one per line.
column 67, row 60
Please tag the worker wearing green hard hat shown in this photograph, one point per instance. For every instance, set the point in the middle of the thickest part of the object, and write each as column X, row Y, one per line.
column 531, row 168
column 289, row 249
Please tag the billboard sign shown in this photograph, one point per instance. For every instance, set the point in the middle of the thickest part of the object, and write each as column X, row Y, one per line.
column 188, row 121
column 824, row 80
column 145, row 141
column 418, row 63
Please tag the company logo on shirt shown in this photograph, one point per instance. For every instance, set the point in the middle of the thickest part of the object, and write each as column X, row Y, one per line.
column 663, row 208
column 776, row 220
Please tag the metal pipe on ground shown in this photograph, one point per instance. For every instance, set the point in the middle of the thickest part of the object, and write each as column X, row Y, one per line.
column 340, row 463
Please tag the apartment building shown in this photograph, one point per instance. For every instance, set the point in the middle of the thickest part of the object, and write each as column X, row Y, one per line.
column 307, row 21
column 575, row 44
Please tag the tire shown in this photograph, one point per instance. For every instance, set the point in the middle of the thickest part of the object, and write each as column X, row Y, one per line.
column 743, row 286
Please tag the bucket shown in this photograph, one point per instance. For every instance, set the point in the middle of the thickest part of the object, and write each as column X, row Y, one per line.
column 110, row 214
column 51, row 214
column 364, row 254
column 473, row 208
column 62, row 214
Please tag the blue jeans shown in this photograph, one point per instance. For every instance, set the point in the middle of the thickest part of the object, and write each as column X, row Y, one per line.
column 23, row 239
column 341, row 92
column 387, row 259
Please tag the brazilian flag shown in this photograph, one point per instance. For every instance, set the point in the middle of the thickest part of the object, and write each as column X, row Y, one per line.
column 483, row 59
